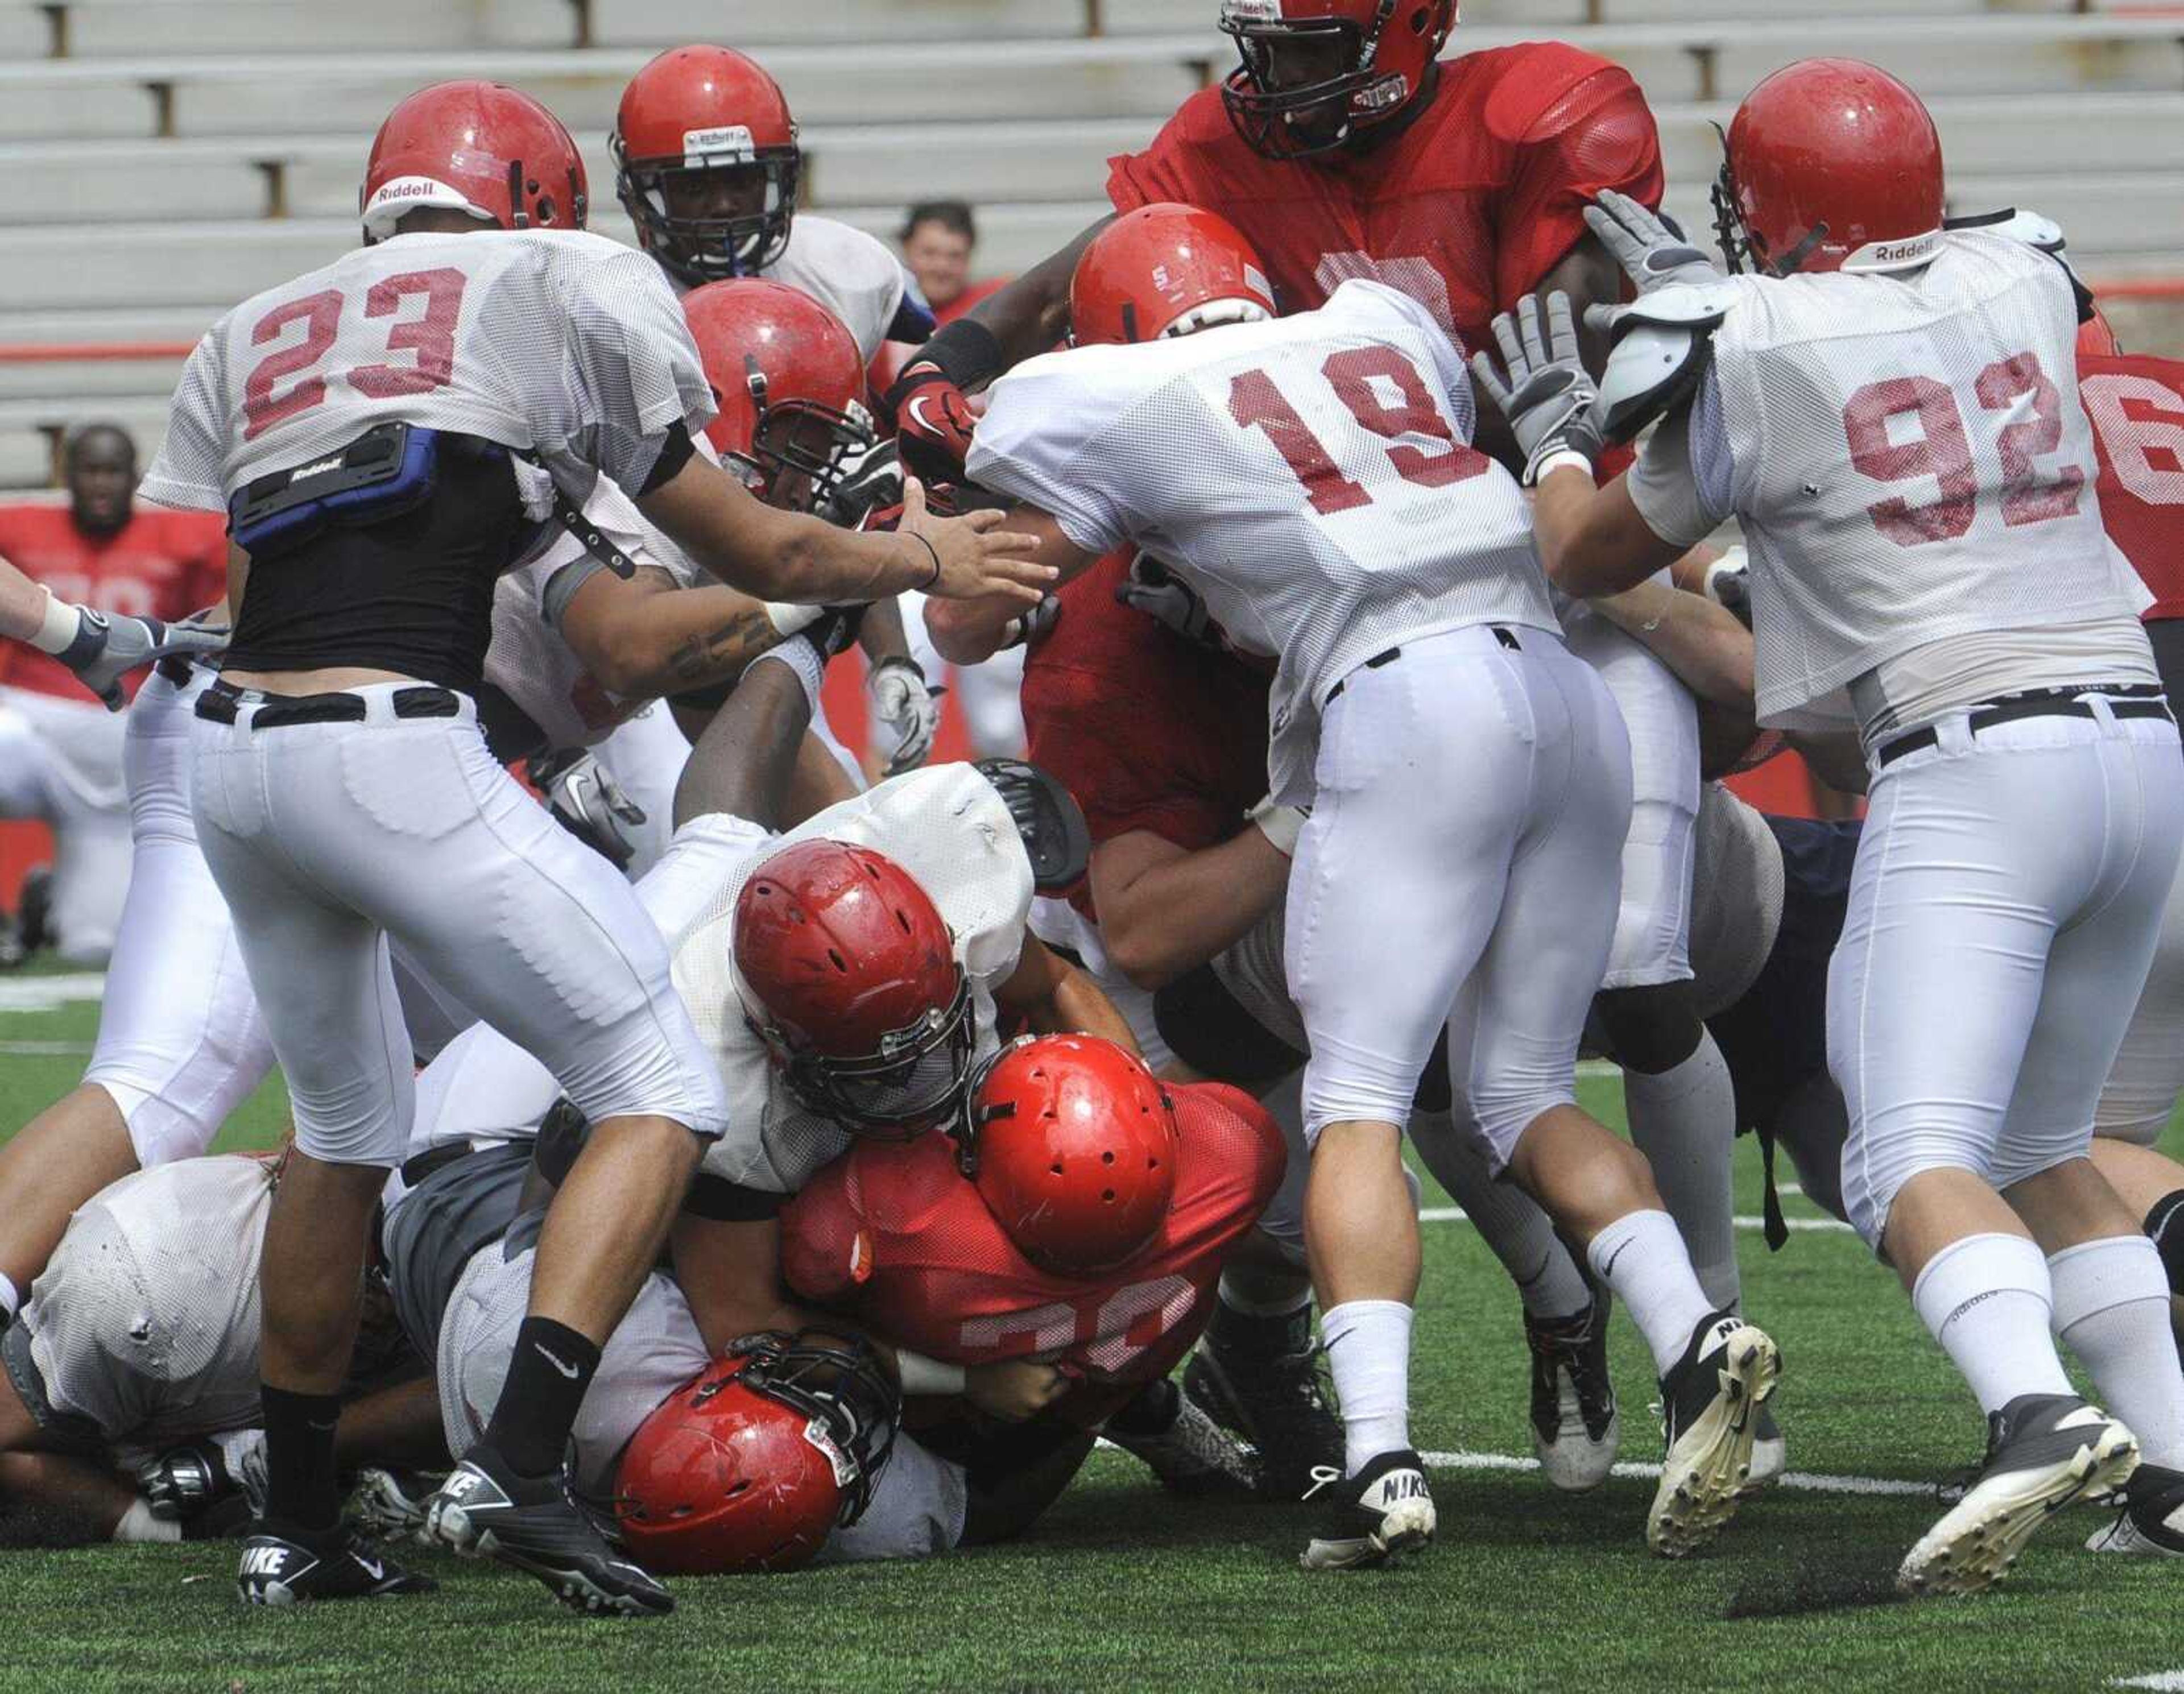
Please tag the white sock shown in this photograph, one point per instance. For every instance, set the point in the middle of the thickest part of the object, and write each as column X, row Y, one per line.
column 1369, row 1352
column 1684, row 1121
column 1508, row 1219
column 139, row 1524
column 1986, row 1299
column 1642, row 1258
column 2112, row 1310
column 11, row 1303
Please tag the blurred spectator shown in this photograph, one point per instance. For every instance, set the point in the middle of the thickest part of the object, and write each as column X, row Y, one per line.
column 939, row 239
column 60, row 749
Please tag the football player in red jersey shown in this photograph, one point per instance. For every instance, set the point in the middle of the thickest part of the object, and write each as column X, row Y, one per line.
column 1342, row 146
column 60, row 755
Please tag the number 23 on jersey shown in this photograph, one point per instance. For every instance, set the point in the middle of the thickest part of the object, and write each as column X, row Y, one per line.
column 425, row 332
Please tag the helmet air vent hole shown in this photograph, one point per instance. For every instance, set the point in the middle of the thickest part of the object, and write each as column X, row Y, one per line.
column 1107, row 1157
column 1055, row 1168
column 840, row 963
column 1107, row 1195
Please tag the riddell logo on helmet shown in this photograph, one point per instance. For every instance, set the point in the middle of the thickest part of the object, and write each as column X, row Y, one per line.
column 729, row 144
column 417, row 189
column 845, row 1468
column 1251, row 11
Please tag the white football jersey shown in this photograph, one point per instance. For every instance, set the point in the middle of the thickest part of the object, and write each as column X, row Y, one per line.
column 1311, row 478
column 852, row 274
column 951, row 831
column 559, row 342
column 1909, row 460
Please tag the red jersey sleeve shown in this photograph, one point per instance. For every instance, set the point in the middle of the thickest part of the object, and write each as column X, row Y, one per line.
column 825, row 1257
column 1180, row 163
column 1579, row 125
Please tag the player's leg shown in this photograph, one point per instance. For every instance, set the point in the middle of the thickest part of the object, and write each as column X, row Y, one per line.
column 2151, row 1184
column 79, row 764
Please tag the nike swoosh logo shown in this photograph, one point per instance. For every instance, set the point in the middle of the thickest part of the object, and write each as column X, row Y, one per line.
column 372, row 1568
column 918, row 417
column 567, row 1370
column 1607, row 1270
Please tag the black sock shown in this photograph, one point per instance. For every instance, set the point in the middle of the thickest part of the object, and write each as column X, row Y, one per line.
column 2166, row 1224
column 1255, row 1334
column 1148, row 1412
column 301, row 1486
column 547, row 1377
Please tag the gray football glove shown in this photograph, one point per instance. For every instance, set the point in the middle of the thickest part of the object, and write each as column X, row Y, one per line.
column 1651, row 254
column 107, row 646
column 1164, row 596
column 902, row 700
column 870, row 483
column 590, row 804
column 1547, row 397
column 1032, row 626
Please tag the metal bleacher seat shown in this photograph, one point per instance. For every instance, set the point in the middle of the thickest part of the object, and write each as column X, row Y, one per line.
column 159, row 159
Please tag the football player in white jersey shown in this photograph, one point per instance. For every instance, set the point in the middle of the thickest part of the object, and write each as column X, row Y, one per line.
column 382, row 433
column 1314, row 480
column 1888, row 409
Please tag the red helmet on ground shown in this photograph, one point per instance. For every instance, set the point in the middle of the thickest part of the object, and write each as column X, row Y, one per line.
column 752, row 1463
column 790, row 384
column 1165, row 270
column 2097, row 337
column 1317, row 73
column 1072, row 1144
column 480, row 147
column 851, row 975
column 706, row 163
column 1833, row 165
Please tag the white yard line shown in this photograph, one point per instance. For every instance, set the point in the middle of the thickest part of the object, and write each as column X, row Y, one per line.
column 2171, row 1679
column 50, row 994
column 46, row 1050
column 1455, row 1214
column 1804, row 1481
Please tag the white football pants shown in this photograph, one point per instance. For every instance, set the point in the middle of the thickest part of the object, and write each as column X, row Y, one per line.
column 61, row 765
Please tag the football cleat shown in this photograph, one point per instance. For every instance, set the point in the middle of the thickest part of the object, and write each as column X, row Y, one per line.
column 534, row 1523
column 2043, row 1450
column 2152, row 1519
column 1710, row 1401
column 1770, row 1453
column 1276, row 1402
column 1382, row 1514
column 391, row 1504
column 285, row 1567
column 1191, row 1454
column 1575, row 1428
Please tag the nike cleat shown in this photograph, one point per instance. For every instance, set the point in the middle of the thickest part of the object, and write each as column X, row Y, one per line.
column 1382, row 1514
column 1191, row 1453
column 1575, row 1428
column 534, row 1523
column 2151, row 1521
column 1276, row 1404
column 1710, row 1401
column 2043, row 1450
column 282, row 1566
column 391, row 1504
column 1770, row 1453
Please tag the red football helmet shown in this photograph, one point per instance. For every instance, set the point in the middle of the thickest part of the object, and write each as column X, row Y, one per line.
column 851, row 980
column 1832, row 165
column 480, row 147
column 752, row 1463
column 707, row 164
column 2097, row 337
column 1165, row 270
column 1318, row 73
column 789, row 384
column 1072, row 1145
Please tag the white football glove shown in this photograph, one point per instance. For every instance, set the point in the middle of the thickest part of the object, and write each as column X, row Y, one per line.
column 587, row 802
column 1154, row 589
column 910, row 708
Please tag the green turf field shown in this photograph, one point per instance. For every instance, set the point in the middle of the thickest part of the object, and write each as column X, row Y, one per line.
column 1119, row 1589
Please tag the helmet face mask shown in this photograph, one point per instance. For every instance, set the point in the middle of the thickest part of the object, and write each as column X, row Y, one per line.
column 802, row 449
column 1316, row 74
column 711, row 222
column 918, row 1079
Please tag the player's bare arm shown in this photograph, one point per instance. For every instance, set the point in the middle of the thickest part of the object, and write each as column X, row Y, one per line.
column 969, row 630
column 1055, row 997
column 1592, row 540
column 642, row 636
column 1704, row 643
column 730, row 1272
column 744, row 761
column 1164, row 910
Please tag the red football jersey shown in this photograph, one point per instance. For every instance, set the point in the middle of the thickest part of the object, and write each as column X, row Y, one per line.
column 893, row 1234
column 1466, row 211
column 160, row 564
column 2136, row 403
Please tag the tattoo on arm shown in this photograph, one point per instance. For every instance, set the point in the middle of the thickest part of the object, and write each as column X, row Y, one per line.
column 720, row 654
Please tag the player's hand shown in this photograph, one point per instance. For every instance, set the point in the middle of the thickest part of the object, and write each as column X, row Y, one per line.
column 1161, row 595
column 1014, row 1390
column 1546, row 396
column 977, row 556
column 933, row 423
column 586, row 801
column 108, row 647
column 902, row 700
column 1652, row 253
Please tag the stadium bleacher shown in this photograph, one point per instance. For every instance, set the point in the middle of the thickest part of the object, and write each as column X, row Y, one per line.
column 160, row 160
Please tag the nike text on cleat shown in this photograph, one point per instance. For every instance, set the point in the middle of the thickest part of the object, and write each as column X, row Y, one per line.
column 485, row 1510
column 1276, row 1402
column 2043, row 1450
column 1710, row 1401
column 1382, row 1514
column 282, row 1566
column 1575, row 1428
column 2151, row 1520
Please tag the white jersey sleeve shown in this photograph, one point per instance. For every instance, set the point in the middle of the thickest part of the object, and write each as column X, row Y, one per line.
column 1041, row 441
column 1681, row 483
column 852, row 274
column 631, row 352
column 187, row 472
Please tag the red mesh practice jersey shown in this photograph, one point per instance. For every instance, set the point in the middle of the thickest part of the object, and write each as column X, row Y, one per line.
column 159, row 563
column 1147, row 730
column 1465, row 211
column 893, row 1234
column 2136, row 403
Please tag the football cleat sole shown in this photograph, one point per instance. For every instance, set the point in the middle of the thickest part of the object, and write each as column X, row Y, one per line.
column 1405, row 1529
column 1981, row 1537
column 1709, row 1470
column 449, row 1525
